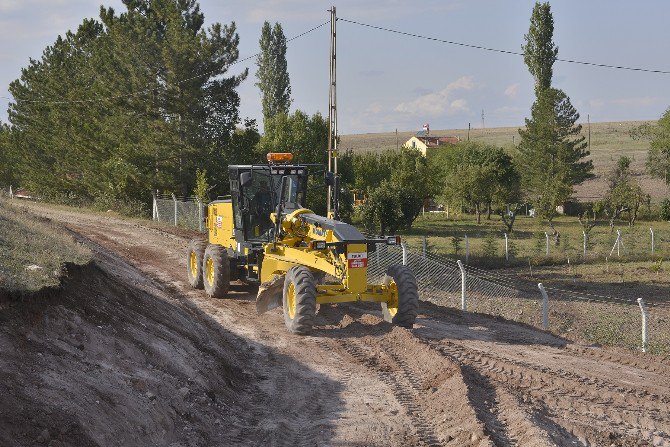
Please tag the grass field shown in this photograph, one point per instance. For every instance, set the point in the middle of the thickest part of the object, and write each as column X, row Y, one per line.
column 33, row 251
column 609, row 141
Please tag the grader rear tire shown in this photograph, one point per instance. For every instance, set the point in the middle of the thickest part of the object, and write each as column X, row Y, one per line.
column 404, row 308
column 194, row 258
column 299, row 300
column 216, row 271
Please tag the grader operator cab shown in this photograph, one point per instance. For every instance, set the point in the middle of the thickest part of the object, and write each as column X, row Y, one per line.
column 264, row 234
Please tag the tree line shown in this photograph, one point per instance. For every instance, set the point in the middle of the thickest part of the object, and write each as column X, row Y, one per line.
column 146, row 99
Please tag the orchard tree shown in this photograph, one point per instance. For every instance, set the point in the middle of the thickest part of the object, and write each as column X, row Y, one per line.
column 624, row 194
column 658, row 157
column 551, row 151
column 396, row 201
column 272, row 72
column 478, row 175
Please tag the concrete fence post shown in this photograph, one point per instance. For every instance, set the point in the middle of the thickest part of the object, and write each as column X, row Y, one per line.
column 174, row 199
column 404, row 253
column 199, row 215
column 11, row 192
column 584, row 233
column 618, row 243
column 154, row 209
column 643, row 309
column 464, row 304
column 506, row 248
column 467, row 250
column 651, row 230
column 545, row 307
column 546, row 236
column 425, row 246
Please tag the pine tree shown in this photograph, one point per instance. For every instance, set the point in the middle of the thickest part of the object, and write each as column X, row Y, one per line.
column 272, row 72
column 551, row 150
column 128, row 103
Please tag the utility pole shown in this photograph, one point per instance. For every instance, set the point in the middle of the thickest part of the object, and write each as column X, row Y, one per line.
column 332, row 109
column 468, row 131
column 396, row 138
column 588, row 120
column 483, row 127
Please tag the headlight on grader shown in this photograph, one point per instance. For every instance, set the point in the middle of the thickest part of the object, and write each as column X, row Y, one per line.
column 392, row 240
column 317, row 245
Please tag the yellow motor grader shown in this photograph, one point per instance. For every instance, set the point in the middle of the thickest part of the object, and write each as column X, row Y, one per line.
column 262, row 233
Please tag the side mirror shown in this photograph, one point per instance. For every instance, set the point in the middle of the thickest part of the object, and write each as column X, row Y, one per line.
column 245, row 179
column 330, row 178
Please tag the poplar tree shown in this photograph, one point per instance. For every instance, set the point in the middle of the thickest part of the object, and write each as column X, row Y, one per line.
column 272, row 72
column 551, row 151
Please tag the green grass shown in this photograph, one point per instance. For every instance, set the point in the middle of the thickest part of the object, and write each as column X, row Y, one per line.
column 609, row 141
column 33, row 251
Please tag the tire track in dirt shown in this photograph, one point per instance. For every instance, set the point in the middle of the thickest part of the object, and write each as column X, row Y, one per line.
column 585, row 420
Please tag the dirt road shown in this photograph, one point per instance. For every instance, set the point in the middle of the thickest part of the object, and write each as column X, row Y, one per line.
column 456, row 379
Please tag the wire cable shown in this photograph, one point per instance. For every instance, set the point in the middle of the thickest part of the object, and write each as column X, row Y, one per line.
column 498, row 50
column 148, row 89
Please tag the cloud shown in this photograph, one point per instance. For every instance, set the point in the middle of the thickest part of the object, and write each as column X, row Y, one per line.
column 512, row 90
column 439, row 102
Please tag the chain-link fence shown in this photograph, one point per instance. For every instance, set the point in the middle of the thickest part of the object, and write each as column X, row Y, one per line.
column 626, row 322
column 187, row 212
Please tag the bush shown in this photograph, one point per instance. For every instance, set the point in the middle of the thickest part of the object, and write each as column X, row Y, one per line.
column 665, row 209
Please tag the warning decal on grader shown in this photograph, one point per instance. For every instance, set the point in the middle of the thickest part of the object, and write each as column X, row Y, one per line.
column 357, row 260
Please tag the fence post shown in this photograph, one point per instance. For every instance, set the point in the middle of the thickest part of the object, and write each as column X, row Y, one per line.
column 584, row 233
column 404, row 253
column 464, row 305
column 174, row 199
column 199, row 215
column 651, row 230
column 643, row 309
column 154, row 211
column 11, row 192
column 425, row 246
column 618, row 243
column 545, row 307
column 467, row 250
column 506, row 249
column 546, row 236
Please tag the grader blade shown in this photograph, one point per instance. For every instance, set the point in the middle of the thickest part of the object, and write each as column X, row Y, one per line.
column 270, row 294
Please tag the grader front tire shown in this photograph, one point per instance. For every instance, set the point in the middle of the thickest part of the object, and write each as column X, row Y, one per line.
column 216, row 271
column 299, row 300
column 403, row 309
column 194, row 258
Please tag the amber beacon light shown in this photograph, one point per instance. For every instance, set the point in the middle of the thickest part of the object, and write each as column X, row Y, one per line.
column 279, row 157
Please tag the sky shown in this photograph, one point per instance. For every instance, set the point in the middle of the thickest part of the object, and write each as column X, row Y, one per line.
column 387, row 81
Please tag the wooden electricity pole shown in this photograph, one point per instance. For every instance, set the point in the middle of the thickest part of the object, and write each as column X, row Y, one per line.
column 332, row 109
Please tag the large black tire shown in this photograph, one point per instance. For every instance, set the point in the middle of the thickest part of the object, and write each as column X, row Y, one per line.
column 299, row 300
column 404, row 311
column 194, row 257
column 216, row 271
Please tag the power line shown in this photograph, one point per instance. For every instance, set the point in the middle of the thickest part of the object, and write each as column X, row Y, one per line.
column 498, row 50
column 128, row 95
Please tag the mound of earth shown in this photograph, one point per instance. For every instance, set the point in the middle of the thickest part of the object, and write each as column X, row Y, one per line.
column 111, row 359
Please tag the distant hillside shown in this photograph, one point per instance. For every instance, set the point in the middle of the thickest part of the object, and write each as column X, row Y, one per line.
column 608, row 142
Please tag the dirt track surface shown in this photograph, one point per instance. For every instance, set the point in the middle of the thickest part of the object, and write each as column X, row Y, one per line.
column 157, row 363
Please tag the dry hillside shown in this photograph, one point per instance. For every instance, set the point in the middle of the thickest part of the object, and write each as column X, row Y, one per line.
column 608, row 142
